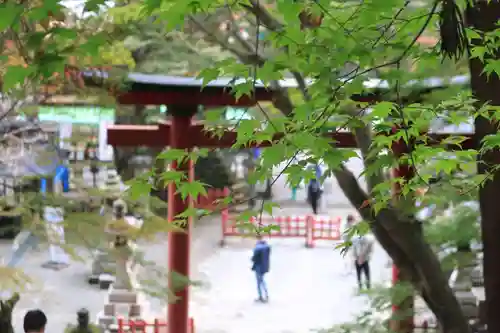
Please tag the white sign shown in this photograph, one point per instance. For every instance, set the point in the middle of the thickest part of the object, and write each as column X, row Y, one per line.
column 55, row 232
column 65, row 131
column 105, row 151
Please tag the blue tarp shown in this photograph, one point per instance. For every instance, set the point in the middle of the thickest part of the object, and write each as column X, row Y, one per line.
column 256, row 153
column 62, row 175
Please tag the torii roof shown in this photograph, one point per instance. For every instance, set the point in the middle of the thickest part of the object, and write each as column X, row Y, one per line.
column 153, row 89
column 171, row 80
column 131, row 135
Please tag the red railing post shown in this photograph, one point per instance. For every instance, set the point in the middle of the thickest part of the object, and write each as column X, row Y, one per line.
column 191, row 322
column 224, row 223
column 337, row 230
column 221, row 196
column 309, row 231
column 156, row 326
column 210, row 198
column 120, row 325
column 132, row 326
column 198, row 202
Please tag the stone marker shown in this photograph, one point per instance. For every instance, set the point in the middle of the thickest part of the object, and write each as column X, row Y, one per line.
column 462, row 286
column 54, row 218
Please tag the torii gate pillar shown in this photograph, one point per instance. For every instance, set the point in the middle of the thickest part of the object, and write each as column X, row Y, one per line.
column 179, row 242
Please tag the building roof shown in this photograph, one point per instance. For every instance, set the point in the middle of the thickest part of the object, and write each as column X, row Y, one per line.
column 169, row 80
column 153, row 89
column 225, row 82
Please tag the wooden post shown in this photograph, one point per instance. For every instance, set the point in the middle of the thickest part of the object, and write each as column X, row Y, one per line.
column 179, row 242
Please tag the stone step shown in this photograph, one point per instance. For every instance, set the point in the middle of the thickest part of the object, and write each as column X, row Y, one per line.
column 135, row 310
column 103, row 320
column 122, row 296
column 110, row 309
column 123, row 310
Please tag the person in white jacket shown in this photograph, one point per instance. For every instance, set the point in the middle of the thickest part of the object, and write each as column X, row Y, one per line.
column 362, row 248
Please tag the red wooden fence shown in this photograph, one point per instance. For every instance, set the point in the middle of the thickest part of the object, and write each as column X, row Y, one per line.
column 311, row 228
column 140, row 326
column 211, row 201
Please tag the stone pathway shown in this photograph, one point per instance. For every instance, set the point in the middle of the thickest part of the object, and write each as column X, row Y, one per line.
column 309, row 289
column 62, row 293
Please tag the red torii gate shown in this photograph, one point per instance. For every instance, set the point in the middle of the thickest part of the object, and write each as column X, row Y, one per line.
column 183, row 95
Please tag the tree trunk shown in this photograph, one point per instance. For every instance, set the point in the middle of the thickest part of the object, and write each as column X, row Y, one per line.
column 403, row 239
column 484, row 16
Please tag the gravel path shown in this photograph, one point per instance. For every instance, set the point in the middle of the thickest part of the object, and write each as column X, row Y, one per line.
column 310, row 288
column 62, row 293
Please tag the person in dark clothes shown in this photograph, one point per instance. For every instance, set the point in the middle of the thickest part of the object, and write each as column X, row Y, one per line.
column 260, row 265
column 314, row 194
column 35, row 321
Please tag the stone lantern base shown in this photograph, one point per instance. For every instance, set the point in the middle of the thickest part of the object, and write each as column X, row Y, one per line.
column 120, row 303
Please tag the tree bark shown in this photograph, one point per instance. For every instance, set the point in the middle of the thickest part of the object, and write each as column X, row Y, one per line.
column 483, row 16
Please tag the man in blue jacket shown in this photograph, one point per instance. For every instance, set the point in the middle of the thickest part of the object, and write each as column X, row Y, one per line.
column 261, row 260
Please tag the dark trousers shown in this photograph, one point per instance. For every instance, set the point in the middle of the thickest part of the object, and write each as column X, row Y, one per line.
column 261, row 287
column 314, row 201
column 363, row 268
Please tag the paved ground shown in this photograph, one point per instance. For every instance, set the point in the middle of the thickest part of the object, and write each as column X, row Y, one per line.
column 333, row 197
column 62, row 293
column 310, row 288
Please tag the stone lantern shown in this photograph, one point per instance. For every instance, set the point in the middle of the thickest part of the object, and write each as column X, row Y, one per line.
column 112, row 259
column 118, row 230
column 121, row 231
